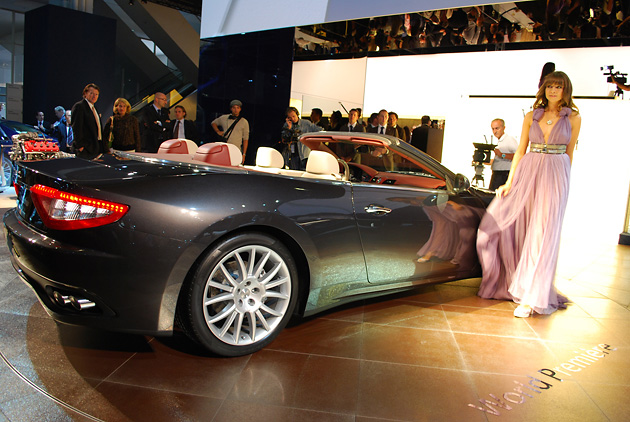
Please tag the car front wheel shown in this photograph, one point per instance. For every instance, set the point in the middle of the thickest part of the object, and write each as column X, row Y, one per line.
column 242, row 295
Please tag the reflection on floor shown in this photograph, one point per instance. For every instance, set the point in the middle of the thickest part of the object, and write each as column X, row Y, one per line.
column 437, row 354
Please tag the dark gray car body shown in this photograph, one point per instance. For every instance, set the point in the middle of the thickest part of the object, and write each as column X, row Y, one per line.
column 134, row 269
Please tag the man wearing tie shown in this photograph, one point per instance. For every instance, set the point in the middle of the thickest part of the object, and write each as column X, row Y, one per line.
column 382, row 127
column 183, row 129
column 63, row 133
column 86, row 125
column 353, row 123
column 40, row 124
column 154, row 124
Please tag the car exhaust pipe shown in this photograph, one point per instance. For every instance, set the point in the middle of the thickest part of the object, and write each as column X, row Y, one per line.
column 61, row 299
column 77, row 303
column 81, row 304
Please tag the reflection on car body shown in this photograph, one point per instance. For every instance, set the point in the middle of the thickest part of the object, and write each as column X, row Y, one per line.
column 230, row 253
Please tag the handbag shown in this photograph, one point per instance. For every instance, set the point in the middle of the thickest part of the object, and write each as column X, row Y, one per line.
column 110, row 140
column 226, row 134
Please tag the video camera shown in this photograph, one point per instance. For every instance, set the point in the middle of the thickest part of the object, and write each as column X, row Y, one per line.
column 482, row 154
column 619, row 77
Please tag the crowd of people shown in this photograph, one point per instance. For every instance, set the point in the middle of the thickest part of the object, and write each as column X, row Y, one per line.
column 384, row 122
column 80, row 129
column 539, row 20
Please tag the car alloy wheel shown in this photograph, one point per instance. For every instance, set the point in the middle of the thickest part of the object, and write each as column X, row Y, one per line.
column 243, row 295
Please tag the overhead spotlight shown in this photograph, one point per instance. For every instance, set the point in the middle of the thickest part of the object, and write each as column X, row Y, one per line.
column 130, row 2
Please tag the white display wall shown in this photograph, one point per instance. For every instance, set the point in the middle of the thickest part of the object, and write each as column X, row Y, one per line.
column 448, row 85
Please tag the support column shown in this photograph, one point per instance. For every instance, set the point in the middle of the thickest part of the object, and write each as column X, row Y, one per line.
column 254, row 68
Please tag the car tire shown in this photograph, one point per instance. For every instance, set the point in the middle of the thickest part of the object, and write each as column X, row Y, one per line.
column 233, row 306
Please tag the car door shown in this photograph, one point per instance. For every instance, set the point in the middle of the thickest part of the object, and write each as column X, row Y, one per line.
column 395, row 223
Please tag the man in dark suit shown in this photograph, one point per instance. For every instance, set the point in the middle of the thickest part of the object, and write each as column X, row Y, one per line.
column 40, row 124
column 63, row 132
column 353, row 124
column 420, row 135
column 154, row 124
column 382, row 128
column 180, row 128
column 393, row 122
column 86, row 125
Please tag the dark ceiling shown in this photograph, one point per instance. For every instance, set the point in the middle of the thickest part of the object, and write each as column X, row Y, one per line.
column 190, row 6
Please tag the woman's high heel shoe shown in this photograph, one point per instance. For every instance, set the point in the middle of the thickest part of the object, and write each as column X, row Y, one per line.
column 522, row 311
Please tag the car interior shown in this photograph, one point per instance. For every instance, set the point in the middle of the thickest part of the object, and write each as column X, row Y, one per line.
column 359, row 161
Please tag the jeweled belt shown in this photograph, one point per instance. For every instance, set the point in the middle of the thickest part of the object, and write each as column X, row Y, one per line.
column 547, row 149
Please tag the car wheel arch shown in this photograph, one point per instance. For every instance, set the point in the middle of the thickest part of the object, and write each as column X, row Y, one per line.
column 296, row 250
column 230, row 248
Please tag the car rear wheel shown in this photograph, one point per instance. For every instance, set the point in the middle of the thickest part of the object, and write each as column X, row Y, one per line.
column 242, row 295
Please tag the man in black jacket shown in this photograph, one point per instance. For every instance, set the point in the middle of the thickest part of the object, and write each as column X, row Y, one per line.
column 420, row 135
column 86, row 125
column 182, row 128
column 154, row 123
column 353, row 124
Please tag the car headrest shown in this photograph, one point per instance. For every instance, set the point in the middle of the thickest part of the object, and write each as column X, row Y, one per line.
column 269, row 158
column 321, row 162
column 221, row 153
column 178, row 146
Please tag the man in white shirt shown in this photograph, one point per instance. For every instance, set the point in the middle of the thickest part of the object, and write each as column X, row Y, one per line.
column 382, row 128
column 181, row 128
column 503, row 154
column 41, row 124
column 353, row 124
column 393, row 122
column 86, row 125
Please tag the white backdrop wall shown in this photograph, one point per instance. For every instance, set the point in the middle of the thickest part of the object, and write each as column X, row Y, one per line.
column 324, row 84
column 441, row 85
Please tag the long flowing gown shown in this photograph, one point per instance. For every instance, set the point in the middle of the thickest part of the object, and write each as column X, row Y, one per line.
column 519, row 236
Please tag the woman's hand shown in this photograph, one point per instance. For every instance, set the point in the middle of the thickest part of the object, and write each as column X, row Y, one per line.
column 503, row 190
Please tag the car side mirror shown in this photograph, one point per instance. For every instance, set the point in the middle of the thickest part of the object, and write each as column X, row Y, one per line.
column 461, row 183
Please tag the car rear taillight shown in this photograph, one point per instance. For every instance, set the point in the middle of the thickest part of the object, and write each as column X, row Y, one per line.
column 64, row 211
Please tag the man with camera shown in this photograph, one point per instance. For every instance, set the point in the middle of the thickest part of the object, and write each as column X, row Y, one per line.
column 619, row 81
column 294, row 152
column 503, row 154
column 233, row 128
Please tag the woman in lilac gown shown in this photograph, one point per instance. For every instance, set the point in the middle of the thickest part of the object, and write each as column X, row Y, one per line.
column 519, row 235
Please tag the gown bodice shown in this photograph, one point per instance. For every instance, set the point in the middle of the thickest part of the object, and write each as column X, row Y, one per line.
column 560, row 133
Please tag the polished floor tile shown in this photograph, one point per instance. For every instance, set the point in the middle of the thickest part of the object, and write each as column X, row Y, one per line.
column 437, row 353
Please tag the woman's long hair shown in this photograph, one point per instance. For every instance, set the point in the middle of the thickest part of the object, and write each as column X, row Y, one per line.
column 556, row 78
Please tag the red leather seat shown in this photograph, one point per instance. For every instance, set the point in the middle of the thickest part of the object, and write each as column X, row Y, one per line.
column 214, row 153
column 177, row 146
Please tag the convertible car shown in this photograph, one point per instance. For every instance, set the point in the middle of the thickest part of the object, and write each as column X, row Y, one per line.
column 191, row 238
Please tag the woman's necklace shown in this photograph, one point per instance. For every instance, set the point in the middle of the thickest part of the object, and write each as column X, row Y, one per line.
column 550, row 121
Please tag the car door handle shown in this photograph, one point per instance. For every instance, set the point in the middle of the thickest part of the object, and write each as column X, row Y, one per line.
column 376, row 209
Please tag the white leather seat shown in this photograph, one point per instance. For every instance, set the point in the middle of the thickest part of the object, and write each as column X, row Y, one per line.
column 269, row 158
column 322, row 165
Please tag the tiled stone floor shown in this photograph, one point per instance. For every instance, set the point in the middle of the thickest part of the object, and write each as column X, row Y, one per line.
column 423, row 356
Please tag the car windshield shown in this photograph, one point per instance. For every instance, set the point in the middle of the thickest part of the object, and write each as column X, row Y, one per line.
column 21, row 127
column 374, row 162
